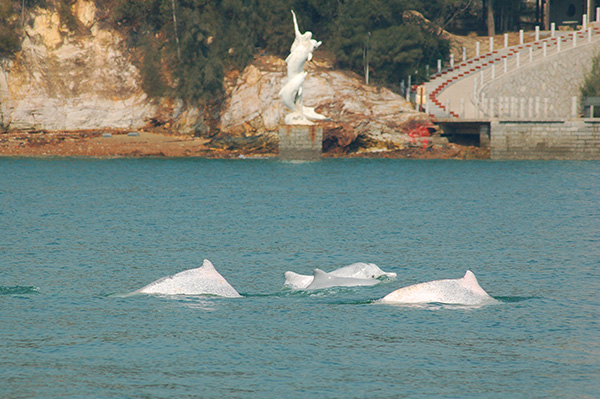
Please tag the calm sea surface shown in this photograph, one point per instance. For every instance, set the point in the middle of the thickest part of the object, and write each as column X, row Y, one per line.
column 75, row 232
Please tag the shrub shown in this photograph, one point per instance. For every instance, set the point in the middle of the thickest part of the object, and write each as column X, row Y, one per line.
column 591, row 82
column 9, row 39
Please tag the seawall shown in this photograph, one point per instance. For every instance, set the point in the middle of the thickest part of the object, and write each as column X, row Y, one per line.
column 552, row 139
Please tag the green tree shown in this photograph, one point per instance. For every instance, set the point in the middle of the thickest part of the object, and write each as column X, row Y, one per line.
column 238, row 38
column 274, row 28
column 317, row 16
column 199, row 75
column 591, row 82
column 397, row 49
column 401, row 50
column 214, row 36
column 9, row 39
column 153, row 81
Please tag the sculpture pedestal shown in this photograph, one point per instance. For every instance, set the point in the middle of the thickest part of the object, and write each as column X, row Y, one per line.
column 300, row 142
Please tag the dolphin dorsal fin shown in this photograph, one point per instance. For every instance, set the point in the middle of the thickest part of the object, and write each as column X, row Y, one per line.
column 206, row 264
column 470, row 281
column 320, row 280
column 318, row 273
column 470, row 277
column 320, row 277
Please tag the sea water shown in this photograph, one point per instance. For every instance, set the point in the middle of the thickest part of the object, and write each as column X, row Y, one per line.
column 75, row 234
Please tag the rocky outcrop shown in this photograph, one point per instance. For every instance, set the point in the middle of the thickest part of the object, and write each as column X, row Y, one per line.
column 64, row 81
column 376, row 117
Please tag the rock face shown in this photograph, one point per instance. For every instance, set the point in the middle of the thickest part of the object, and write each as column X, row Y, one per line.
column 65, row 81
column 70, row 81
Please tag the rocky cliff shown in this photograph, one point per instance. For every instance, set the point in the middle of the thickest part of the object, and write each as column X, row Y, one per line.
column 86, row 80
column 64, row 80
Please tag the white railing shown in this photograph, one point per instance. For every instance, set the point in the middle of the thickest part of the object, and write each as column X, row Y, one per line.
column 523, row 55
column 483, row 69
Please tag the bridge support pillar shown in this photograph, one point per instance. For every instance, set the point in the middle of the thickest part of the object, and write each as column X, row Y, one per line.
column 484, row 135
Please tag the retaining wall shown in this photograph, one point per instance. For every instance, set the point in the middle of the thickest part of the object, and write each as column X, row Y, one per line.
column 556, row 77
column 566, row 140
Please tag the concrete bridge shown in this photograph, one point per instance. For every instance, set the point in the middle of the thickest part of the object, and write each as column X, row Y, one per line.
column 523, row 100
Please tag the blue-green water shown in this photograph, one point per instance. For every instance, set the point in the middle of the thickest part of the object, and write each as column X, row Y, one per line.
column 73, row 232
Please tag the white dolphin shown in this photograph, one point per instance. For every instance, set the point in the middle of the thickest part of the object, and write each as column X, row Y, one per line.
column 460, row 291
column 323, row 280
column 204, row 280
column 297, row 281
column 357, row 271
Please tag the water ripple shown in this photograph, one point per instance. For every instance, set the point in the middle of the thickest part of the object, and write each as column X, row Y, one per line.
column 19, row 290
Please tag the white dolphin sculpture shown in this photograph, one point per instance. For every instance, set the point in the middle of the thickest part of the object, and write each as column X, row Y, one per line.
column 461, row 291
column 357, row 271
column 204, row 280
column 291, row 93
column 301, row 51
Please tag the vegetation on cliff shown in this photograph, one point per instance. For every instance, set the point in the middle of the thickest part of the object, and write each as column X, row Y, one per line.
column 591, row 83
column 185, row 47
column 9, row 38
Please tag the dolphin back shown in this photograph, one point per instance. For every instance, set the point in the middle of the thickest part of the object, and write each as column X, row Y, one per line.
column 323, row 280
column 204, row 280
column 361, row 270
column 462, row 291
column 297, row 281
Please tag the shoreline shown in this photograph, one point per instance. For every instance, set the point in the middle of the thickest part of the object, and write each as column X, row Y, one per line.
column 145, row 144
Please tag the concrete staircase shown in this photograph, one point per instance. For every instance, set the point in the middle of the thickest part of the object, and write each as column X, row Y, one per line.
column 459, row 92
